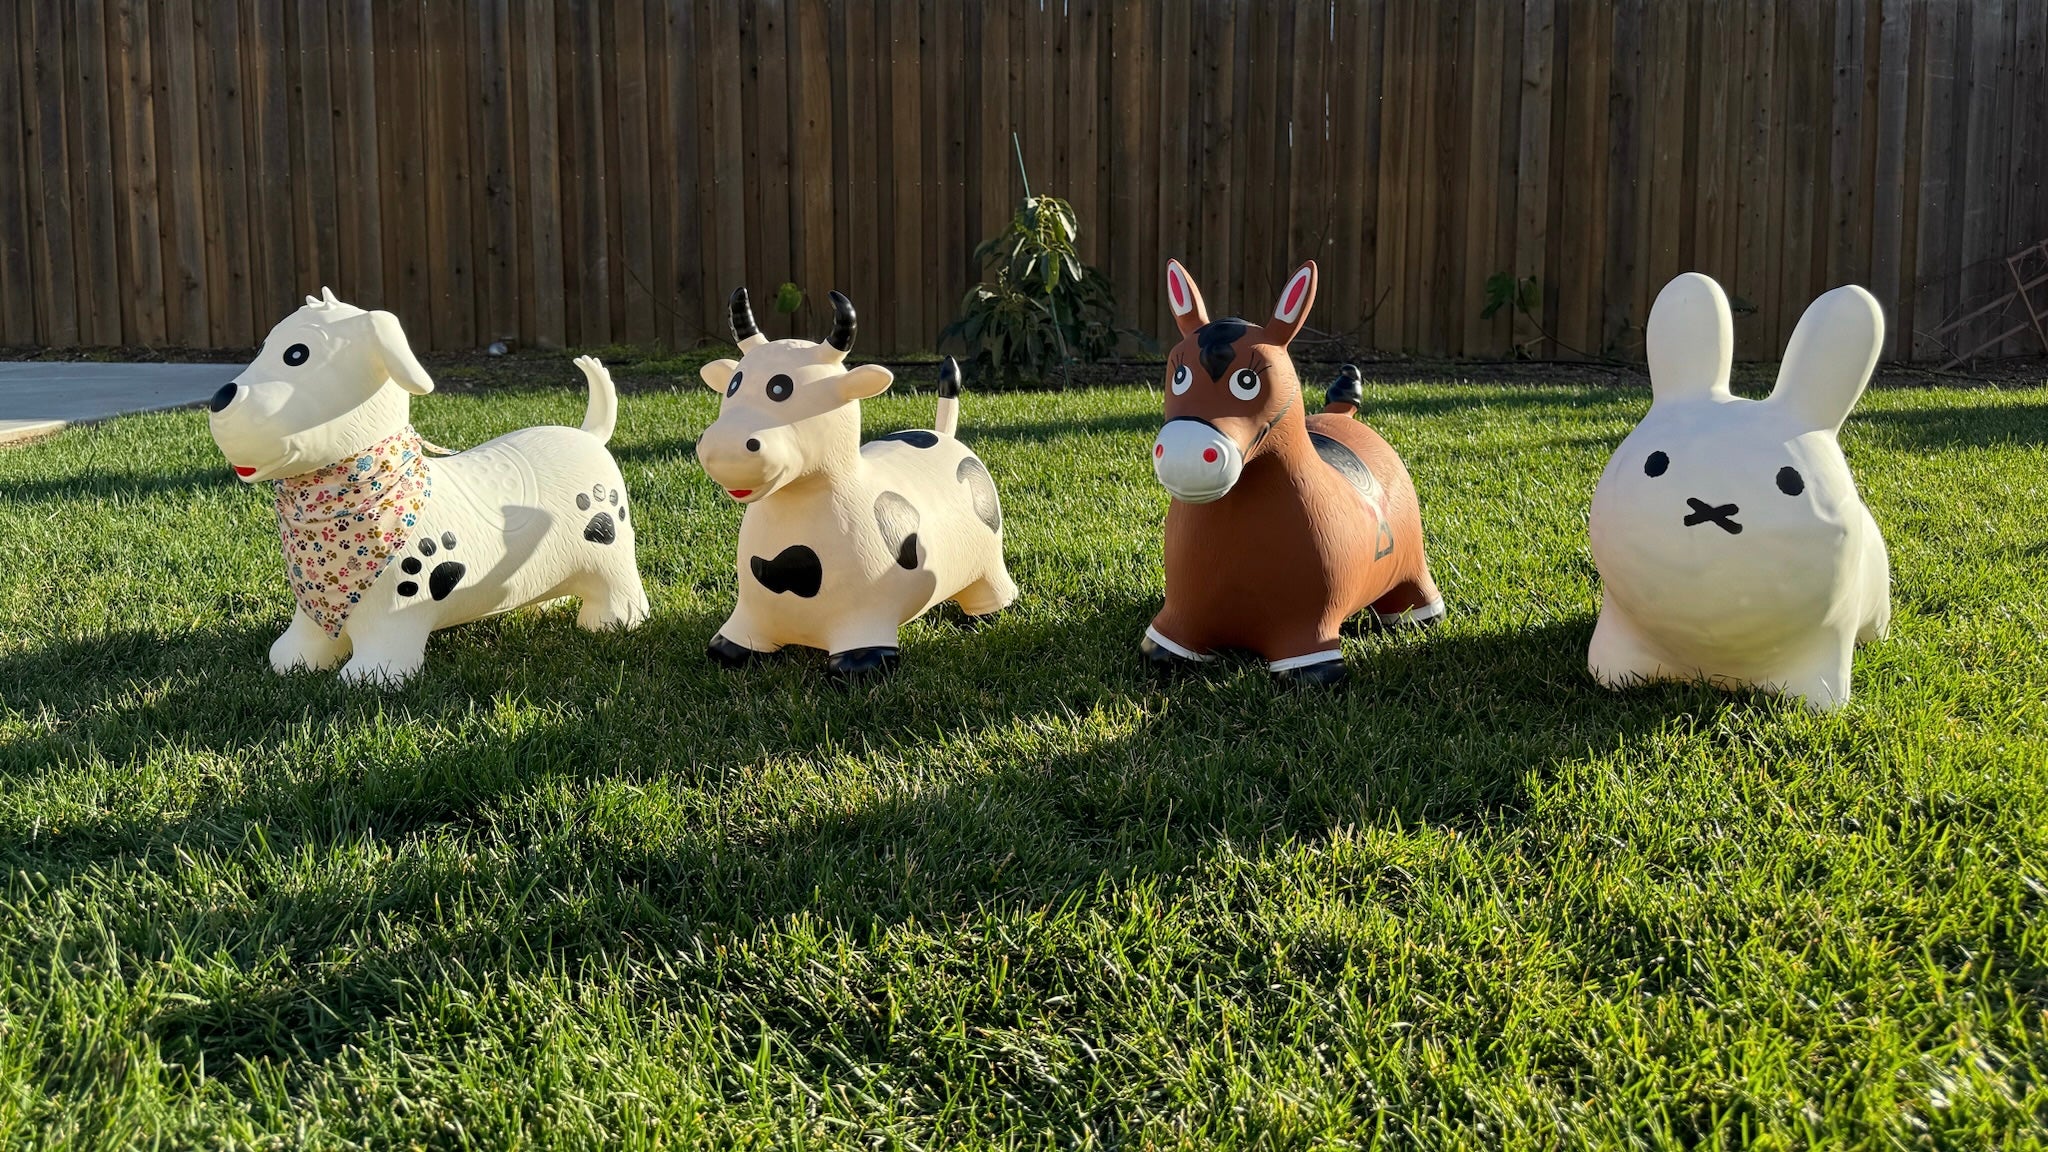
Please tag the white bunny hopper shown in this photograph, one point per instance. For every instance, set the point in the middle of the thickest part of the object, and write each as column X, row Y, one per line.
column 383, row 544
column 842, row 542
column 1730, row 539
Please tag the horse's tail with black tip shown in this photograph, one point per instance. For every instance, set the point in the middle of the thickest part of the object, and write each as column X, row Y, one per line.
column 1346, row 393
column 603, row 414
column 947, row 422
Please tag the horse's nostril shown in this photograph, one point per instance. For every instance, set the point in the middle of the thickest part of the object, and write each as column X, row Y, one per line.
column 753, row 445
column 222, row 398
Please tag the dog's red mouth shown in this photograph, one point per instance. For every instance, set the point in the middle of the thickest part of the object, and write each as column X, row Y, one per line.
column 739, row 493
column 244, row 471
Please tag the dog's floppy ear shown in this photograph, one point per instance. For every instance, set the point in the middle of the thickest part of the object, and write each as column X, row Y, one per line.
column 399, row 362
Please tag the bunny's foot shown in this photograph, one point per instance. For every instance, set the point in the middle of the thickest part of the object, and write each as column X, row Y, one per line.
column 1821, row 682
column 1619, row 656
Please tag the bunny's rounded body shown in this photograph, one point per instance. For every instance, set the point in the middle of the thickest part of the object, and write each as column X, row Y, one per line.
column 1729, row 535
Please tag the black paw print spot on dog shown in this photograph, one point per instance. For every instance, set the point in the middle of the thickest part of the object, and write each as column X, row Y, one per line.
column 407, row 587
column 622, row 513
column 443, row 579
column 615, row 497
column 582, row 502
column 448, row 540
column 600, row 530
column 427, row 548
column 411, row 564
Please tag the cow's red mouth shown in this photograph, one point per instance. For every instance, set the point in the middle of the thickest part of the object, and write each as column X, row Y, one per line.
column 244, row 471
column 739, row 493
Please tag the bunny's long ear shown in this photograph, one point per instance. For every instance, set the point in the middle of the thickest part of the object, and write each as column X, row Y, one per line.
column 1291, row 311
column 1691, row 339
column 1831, row 356
column 1184, row 298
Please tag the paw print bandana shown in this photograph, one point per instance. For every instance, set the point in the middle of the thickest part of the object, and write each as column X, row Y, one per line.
column 341, row 524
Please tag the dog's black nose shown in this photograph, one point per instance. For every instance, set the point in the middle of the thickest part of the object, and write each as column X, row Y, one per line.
column 222, row 398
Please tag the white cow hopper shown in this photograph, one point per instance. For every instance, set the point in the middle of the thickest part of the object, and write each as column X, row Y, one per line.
column 383, row 544
column 842, row 543
column 1729, row 535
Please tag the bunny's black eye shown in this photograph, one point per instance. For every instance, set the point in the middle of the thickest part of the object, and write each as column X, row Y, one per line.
column 1656, row 464
column 733, row 385
column 296, row 355
column 1790, row 482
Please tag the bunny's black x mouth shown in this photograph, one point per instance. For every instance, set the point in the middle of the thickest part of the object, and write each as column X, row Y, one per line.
column 1722, row 516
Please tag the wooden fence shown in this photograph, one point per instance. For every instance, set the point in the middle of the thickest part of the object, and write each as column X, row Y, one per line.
column 581, row 172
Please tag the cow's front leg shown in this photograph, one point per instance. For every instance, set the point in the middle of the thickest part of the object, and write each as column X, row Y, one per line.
column 739, row 641
column 307, row 645
column 864, row 648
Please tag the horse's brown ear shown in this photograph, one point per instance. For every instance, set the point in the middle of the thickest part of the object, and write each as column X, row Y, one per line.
column 1184, row 298
column 1295, row 300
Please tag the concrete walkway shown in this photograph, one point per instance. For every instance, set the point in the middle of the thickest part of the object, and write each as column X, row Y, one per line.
column 39, row 397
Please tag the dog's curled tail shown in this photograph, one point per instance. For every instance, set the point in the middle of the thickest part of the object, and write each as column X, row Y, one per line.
column 603, row 415
column 948, row 420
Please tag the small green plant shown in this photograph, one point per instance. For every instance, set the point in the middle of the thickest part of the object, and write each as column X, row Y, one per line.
column 788, row 298
column 1041, row 306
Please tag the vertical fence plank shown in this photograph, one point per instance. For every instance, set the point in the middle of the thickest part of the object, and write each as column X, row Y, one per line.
column 131, row 89
column 1934, row 257
column 17, row 294
column 319, row 226
column 1582, row 230
column 273, row 187
column 903, row 320
column 358, row 168
column 1532, row 215
column 92, row 205
column 491, row 139
column 181, row 168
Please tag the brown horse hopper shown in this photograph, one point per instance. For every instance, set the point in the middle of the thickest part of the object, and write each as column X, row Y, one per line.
column 1282, row 524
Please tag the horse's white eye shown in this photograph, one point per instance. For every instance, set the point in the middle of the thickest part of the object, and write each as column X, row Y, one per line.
column 1182, row 379
column 1244, row 384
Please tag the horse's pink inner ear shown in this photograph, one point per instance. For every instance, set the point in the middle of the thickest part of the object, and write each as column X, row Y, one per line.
column 1293, row 296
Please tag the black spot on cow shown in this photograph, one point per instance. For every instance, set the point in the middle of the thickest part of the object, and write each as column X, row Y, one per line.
column 794, row 569
column 915, row 437
column 981, row 488
column 1217, row 339
column 443, row 579
column 408, row 588
column 898, row 520
column 583, row 501
column 411, row 564
column 600, row 530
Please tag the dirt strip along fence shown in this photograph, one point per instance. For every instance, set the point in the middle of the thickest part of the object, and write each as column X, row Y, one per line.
column 570, row 172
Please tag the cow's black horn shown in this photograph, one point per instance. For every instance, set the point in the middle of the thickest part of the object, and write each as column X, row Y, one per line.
column 743, row 325
column 843, row 320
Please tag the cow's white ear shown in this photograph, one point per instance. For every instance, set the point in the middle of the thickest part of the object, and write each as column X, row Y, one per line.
column 1830, row 358
column 718, row 374
column 863, row 381
column 1691, row 339
column 399, row 362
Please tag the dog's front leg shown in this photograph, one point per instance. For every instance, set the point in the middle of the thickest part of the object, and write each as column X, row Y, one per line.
column 307, row 645
column 388, row 650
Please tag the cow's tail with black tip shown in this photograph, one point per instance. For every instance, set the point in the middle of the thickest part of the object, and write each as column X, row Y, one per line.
column 603, row 414
column 948, row 421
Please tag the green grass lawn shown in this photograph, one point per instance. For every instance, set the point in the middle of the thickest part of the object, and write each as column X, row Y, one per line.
column 574, row 890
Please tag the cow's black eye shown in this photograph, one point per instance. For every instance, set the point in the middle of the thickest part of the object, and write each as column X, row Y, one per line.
column 733, row 385
column 1790, row 482
column 780, row 387
column 297, row 354
column 1656, row 464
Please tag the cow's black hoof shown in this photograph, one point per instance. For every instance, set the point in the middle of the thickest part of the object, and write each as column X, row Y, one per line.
column 1329, row 673
column 862, row 662
column 1161, row 660
column 727, row 654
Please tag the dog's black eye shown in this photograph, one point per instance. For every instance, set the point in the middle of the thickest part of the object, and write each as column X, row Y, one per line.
column 1790, row 482
column 296, row 355
column 733, row 385
column 780, row 387
column 1656, row 464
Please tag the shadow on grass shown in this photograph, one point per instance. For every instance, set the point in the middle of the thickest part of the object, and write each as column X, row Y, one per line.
column 996, row 786
column 86, row 485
